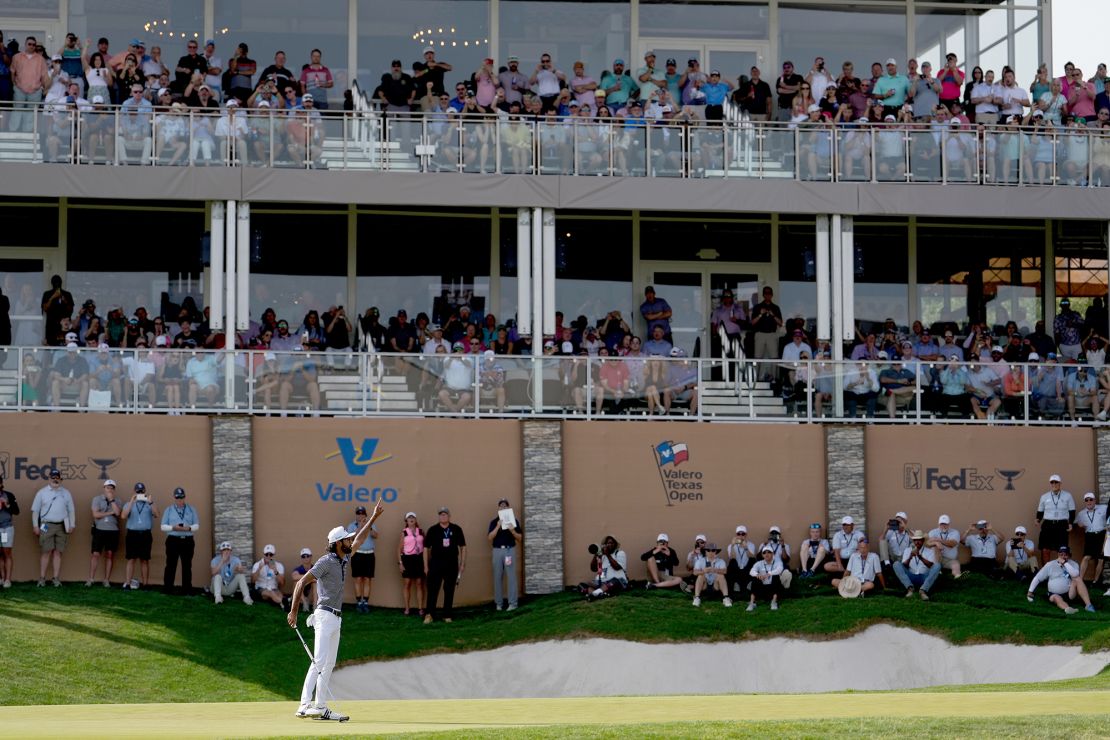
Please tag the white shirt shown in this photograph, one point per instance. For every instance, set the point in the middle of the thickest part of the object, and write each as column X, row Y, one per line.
column 819, row 82
column 214, row 80
column 741, row 553
column 944, row 536
column 1058, row 576
column 1056, row 506
column 763, row 568
column 846, row 543
column 915, row 564
column 431, row 344
column 268, row 580
column 608, row 572
column 793, row 352
column 983, row 90
column 1093, row 520
column 547, row 82
column 782, row 550
column 703, row 562
column 982, row 546
column 864, row 568
column 1014, row 99
column 808, row 545
column 897, row 543
column 1021, row 554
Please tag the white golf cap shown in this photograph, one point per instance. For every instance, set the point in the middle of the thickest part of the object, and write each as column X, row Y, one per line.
column 662, row 537
column 411, row 513
column 767, row 548
column 943, row 519
column 305, row 551
column 1054, row 478
column 337, row 534
column 269, row 550
column 901, row 515
column 109, row 482
column 1019, row 530
column 1088, row 495
column 775, row 528
column 847, row 520
column 741, row 529
column 225, row 545
column 701, row 537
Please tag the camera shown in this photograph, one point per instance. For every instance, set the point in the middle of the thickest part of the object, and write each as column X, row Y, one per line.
column 142, row 497
column 775, row 536
column 892, row 524
column 593, row 549
column 1016, row 543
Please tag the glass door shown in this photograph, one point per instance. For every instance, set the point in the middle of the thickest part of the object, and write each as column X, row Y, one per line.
column 732, row 58
column 684, row 291
column 22, row 281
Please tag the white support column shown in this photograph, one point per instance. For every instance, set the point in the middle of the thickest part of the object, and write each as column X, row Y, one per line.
column 548, row 271
column 231, row 266
column 216, row 267
column 848, row 275
column 821, row 258
column 210, row 27
column 537, row 307
column 352, row 42
column 242, row 269
column 524, row 276
column 836, row 263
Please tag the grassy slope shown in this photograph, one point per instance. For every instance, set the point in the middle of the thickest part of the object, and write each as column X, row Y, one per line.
column 151, row 644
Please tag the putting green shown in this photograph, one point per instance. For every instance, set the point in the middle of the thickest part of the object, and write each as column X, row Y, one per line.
column 265, row 719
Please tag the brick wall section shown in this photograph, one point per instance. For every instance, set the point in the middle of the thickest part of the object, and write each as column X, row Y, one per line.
column 232, row 484
column 844, row 454
column 543, row 506
column 1102, row 460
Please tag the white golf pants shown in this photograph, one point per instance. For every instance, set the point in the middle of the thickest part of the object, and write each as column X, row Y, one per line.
column 326, row 647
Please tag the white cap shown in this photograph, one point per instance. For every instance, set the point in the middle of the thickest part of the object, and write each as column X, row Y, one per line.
column 702, row 537
column 1019, row 529
column 776, row 528
column 109, row 482
column 102, row 345
column 847, row 520
column 901, row 515
column 741, row 528
column 1034, row 357
column 663, row 536
column 813, row 108
column 269, row 550
column 767, row 548
column 429, row 48
column 307, row 96
column 1087, row 495
column 1054, row 478
column 891, row 61
column 71, row 336
column 225, row 545
column 943, row 519
column 98, row 99
column 305, row 551
column 338, row 533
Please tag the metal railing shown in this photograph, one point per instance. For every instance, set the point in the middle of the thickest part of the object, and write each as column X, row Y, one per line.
column 266, row 382
column 367, row 139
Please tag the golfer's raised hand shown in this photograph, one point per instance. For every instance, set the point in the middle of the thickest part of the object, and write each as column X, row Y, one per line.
column 291, row 618
column 378, row 509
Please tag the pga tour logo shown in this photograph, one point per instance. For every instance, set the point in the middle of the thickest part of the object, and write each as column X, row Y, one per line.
column 679, row 484
column 917, row 477
column 357, row 459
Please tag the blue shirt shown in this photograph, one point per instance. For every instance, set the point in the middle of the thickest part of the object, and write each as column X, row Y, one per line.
column 141, row 517
column 367, row 546
column 617, row 99
column 173, row 516
column 228, row 572
column 715, row 93
column 656, row 306
column 899, row 84
column 661, row 348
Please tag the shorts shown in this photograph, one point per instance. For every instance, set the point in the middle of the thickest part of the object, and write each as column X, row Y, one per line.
column 362, row 565
column 1053, row 534
column 137, row 543
column 105, row 540
column 412, row 566
column 55, row 537
column 7, row 537
column 1092, row 544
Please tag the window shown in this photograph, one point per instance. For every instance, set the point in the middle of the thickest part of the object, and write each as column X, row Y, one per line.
column 704, row 240
column 881, row 271
column 298, row 263
column 595, row 33
column 163, row 23
column 797, row 293
column 840, row 33
column 698, row 20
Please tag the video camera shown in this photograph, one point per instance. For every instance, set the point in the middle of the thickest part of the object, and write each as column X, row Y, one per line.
column 892, row 524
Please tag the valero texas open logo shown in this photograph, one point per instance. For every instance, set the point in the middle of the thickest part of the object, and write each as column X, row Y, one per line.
column 357, row 460
column 679, row 484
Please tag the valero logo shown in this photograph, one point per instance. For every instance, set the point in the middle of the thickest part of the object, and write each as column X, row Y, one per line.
column 679, row 485
column 357, row 461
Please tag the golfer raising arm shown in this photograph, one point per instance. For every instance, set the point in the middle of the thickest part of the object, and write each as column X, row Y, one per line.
column 329, row 572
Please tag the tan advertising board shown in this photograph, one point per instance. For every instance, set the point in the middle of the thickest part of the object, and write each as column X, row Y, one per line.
column 161, row 452
column 636, row 480
column 311, row 474
column 972, row 473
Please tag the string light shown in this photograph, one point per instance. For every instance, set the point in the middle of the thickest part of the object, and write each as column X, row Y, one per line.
column 444, row 37
column 162, row 28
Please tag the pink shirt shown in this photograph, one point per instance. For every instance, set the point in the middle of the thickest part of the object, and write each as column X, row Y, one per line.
column 312, row 79
column 951, row 85
column 412, row 542
column 28, row 71
column 486, row 91
column 1080, row 103
column 584, row 98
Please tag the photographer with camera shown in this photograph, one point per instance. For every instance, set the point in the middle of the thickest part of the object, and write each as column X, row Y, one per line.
column 895, row 540
column 268, row 576
column 105, row 532
column 661, row 562
column 741, row 553
column 765, row 575
column 139, row 514
column 812, row 552
column 781, row 551
column 1063, row 582
column 844, row 543
column 691, row 558
column 919, row 566
column 983, row 546
column 229, row 575
column 1021, row 555
column 710, row 570
column 610, row 564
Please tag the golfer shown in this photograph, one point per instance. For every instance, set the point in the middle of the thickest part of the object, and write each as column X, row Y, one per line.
column 329, row 572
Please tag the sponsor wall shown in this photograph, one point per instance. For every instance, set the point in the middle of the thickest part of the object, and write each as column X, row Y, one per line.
column 636, row 480
column 162, row 452
column 972, row 473
column 311, row 474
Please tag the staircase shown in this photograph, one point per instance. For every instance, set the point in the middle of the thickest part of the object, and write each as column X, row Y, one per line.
column 17, row 147
column 9, row 388
column 377, row 155
column 719, row 398
column 342, row 393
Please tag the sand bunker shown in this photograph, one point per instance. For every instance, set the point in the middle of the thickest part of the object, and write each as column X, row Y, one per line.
column 881, row 657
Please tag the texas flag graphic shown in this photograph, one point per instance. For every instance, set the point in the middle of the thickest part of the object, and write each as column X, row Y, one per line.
column 671, row 453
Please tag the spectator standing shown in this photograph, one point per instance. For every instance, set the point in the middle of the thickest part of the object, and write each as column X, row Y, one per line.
column 1092, row 520
column 410, row 558
column 316, row 79
column 279, row 74
column 656, row 312
column 951, row 80
column 650, row 77
column 240, row 74
column 396, row 89
column 29, row 81
column 513, row 81
column 546, row 81
column 57, row 304
column 754, row 96
column 1055, row 515
column 139, row 513
column 444, row 562
column 187, row 65
column 766, row 322
column 9, row 507
column 106, row 514
column 363, row 561
column 503, row 541
column 1067, row 327
column 268, row 576
column 431, row 71
column 214, row 70
column 308, row 601
column 52, row 518
column 583, row 86
column 716, row 92
column 617, row 86
column 786, row 87
column 5, row 73
column 891, row 89
column 5, row 320
column 179, row 522
column 228, row 575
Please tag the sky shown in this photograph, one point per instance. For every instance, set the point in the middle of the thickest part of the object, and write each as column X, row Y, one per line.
column 1076, row 37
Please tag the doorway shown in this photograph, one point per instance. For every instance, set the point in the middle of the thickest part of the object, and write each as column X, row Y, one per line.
column 732, row 58
column 694, row 292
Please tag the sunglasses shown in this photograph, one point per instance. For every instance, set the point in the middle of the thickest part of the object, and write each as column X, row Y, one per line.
column 305, row 557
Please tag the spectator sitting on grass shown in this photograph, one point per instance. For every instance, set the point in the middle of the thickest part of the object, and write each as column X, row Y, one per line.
column 865, row 566
column 812, row 552
column 844, row 543
column 611, row 566
column 781, row 551
column 983, row 546
column 1021, row 555
column 919, row 566
column 268, row 576
column 229, row 575
column 895, row 541
column 661, row 562
column 741, row 553
column 765, row 579
column 1063, row 582
column 947, row 543
column 710, row 571
column 691, row 559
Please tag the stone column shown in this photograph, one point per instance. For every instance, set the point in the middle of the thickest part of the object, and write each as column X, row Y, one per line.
column 844, row 453
column 543, row 506
column 1102, row 460
column 233, row 484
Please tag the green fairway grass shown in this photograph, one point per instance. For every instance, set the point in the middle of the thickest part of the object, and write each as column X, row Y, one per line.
column 154, row 646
